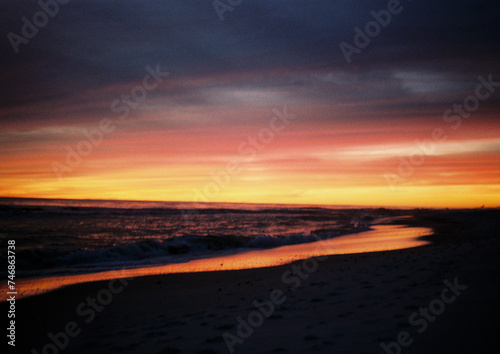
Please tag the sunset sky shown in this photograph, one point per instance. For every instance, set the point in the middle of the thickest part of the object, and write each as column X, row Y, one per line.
column 261, row 106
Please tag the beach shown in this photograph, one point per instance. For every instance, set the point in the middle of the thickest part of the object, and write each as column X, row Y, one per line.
column 235, row 176
column 354, row 303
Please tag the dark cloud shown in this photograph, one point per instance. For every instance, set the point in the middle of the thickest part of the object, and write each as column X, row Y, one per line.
column 90, row 45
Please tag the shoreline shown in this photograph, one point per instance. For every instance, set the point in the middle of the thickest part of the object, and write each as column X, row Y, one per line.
column 349, row 303
column 391, row 234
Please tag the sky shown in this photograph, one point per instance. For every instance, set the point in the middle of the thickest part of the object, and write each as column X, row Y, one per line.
column 379, row 103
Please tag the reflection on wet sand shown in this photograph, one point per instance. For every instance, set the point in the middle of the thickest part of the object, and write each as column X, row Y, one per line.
column 380, row 238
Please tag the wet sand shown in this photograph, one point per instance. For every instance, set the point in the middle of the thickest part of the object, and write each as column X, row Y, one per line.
column 380, row 237
column 337, row 304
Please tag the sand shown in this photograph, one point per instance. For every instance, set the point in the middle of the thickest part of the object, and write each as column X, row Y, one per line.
column 337, row 304
column 380, row 237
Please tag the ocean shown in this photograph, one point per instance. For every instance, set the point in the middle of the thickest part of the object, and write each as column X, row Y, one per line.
column 64, row 237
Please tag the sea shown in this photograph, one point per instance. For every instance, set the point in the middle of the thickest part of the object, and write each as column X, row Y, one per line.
column 56, row 237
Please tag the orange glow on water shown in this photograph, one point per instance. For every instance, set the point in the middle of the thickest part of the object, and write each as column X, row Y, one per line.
column 381, row 238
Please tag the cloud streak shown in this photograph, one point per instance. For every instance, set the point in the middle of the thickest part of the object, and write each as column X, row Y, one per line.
column 353, row 120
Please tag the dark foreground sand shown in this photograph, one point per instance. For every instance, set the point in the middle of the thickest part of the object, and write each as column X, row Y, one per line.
column 347, row 304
